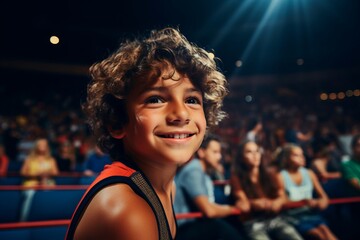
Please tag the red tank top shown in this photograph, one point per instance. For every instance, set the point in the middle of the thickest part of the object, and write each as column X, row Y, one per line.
column 118, row 172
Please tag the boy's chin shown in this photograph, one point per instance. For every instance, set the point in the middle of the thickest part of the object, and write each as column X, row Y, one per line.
column 180, row 160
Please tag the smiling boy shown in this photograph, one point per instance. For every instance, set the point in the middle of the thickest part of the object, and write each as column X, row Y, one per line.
column 149, row 105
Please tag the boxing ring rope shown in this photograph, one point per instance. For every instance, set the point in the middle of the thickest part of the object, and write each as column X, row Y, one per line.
column 286, row 206
column 55, row 187
column 61, row 174
column 65, row 222
column 34, row 224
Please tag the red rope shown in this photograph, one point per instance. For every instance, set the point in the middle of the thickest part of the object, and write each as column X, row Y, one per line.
column 56, row 187
column 344, row 200
column 189, row 215
column 34, row 224
column 51, row 223
column 61, row 174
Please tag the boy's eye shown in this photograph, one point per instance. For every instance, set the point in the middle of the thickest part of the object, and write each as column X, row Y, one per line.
column 193, row 100
column 154, row 100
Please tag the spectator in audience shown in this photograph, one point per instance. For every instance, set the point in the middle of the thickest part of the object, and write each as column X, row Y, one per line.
column 325, row 165
column 351, row 168
column 38, row 169
column 345, row 138
column 95, row 162
column 4, row 162
column 351, row 175
column 259, row 195
column 253, row 130
column 227, row 160
column 294, row 133
column 195, row 192
column 300, row 183
column 65, row 157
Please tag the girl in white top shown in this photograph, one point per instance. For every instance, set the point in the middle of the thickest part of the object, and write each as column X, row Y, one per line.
column 300, row 183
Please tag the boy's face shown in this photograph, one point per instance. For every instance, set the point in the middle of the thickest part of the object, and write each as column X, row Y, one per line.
column 166, row 121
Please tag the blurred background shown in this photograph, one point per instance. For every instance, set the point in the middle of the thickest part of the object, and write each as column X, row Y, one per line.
column 282, row 58
column 266, row 44
column 292, row 65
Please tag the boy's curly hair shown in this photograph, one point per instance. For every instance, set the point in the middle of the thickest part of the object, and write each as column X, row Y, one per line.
column 141, row 62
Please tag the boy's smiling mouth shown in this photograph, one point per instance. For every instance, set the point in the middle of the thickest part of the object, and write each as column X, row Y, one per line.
column 177, row 135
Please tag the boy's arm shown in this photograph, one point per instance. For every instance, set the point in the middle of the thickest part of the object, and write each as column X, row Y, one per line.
column 116, row 212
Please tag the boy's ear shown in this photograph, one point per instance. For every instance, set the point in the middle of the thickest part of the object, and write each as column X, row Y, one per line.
column 118, row 133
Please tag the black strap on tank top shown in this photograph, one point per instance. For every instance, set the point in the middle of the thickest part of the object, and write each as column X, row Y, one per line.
column 141, row 186
column 151, row 197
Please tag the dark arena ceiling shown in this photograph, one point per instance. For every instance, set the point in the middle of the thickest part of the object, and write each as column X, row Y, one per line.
column 267, row 39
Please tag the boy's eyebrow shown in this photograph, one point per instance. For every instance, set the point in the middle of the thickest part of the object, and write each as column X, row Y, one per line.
column 165, row 89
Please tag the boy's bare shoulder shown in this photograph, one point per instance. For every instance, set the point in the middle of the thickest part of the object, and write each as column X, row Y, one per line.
column 117, row 212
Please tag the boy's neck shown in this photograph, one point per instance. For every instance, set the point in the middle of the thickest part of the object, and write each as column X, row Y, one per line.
column 160, row 177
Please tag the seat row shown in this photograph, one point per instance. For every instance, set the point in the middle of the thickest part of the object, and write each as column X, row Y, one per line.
column 46, row 204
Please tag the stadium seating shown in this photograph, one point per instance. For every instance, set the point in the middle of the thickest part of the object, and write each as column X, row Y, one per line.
column 54, row 204
column 10, row 204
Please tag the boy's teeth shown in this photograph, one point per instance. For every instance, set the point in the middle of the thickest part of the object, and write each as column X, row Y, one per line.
column 177, row 136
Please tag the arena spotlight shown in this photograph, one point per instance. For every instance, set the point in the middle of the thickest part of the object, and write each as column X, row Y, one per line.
column 349, row 93
column 238, row 63
column 248, row 98
column 269, row 13
column 54, row 40
column 341, row 95
column 323, row 96
column 332, row 96
column 356, row 92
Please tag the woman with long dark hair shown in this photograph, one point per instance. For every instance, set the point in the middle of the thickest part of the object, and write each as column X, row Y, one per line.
column 259, row 195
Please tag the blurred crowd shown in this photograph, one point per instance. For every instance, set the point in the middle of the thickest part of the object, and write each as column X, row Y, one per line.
column 59, row 126
column 323, row 130
column 47, row 139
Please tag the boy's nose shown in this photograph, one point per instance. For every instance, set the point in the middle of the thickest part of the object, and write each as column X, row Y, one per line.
column 178, row 114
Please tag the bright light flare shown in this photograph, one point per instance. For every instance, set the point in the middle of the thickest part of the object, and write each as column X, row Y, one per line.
column 54, row 40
